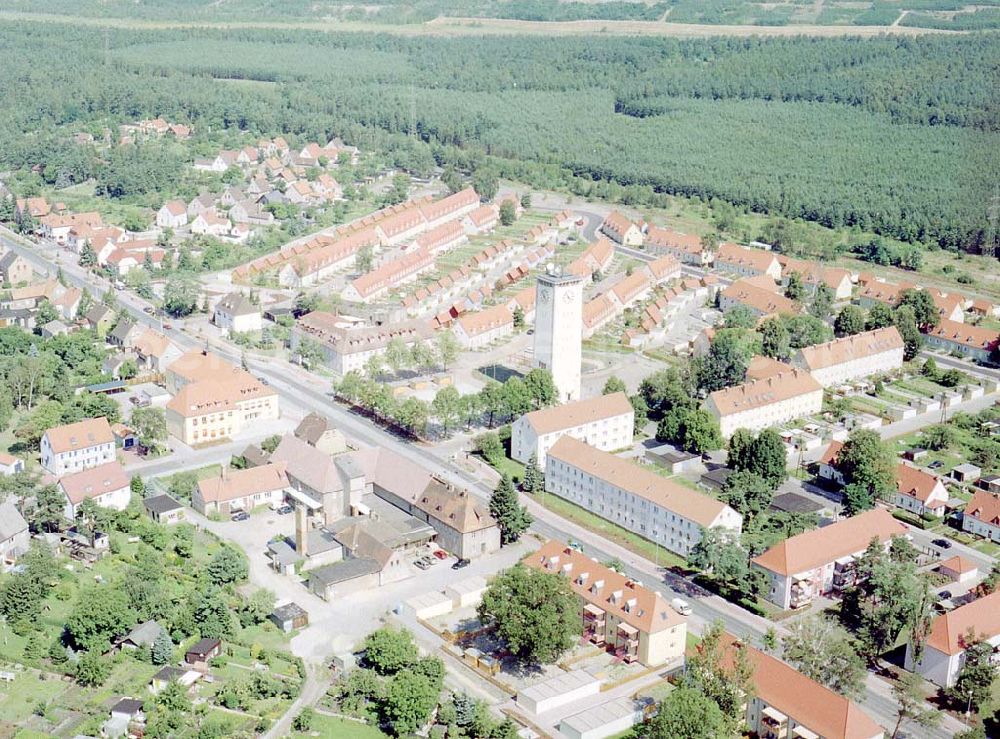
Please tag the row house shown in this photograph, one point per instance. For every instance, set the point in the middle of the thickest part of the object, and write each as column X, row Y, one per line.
column 453, row 206
column 483, row 219
column 634, row 497
column 740, row 260
column 106, row 485
column 97, row 237
column 618, row 614
column 759, row 295
column 57, row 227
column 851, row 357
column 761, row 404
column 605, row 422
column 240, row 490
column 441, row 238
column 346, row 347
column 597, row 313
column 944, row 652
column 982, row 516
column 872, row 290
column 123, row 260
column 686, row 248
column 313, row 266
column 976, row 342
column 814, row 274
column 154, row 352
column 619, row 228
column 596, row 258
column 821, row 562
column 389, row 275
column 524, row 299
column 481, row 328
column 77, row 446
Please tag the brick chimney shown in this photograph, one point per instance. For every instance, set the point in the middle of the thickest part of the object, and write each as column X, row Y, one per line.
column 301, row 531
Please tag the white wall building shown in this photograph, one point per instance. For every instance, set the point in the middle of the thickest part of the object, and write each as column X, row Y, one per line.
column 760, row 404
column 605, row 422
column 236, row 314
column 107, row 485
column 559, row 330
column 944, row 652
column 982, row 516
column 633, row 497
column 77, row 446
column 850, row 357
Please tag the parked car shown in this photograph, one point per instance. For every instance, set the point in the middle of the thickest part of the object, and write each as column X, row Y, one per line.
column 573, row 544
column 285, row 510
column 460, row 564
column 936, row 464
column 943, row 543
column 240, row 516
column 421, row 564
column 148, row 310
column 944, row 594
column 441, row 554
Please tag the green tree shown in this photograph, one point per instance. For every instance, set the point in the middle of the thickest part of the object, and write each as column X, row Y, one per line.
column 908, row 692
column 766, row 457
column 489, row 446
column 850, row 321
column 939, row 437
column 795, row 288
column 825, row 652
column 534, row 612
column 724, row 675
column 774, row 339
column 541, row 388
column 397, row 356
column 913, row 340
column 727, row 360
column 512, row 518
column 211, row 614
column 88, row 258
column 409, row 699
column 150, row 424
column 364, row 260
column 101, row 613
column 740, row 450
column 701, row 432
column 92, row 669
column 180, row 296
column 448, row 348
column 226, row 566
column 640, row 413
column 48, row 511
column 974, row 685
column 163, row 648
column 447, row 407
column 925, row 312
column 686, row 713
column 822, row 302
column 879, row 316
column 869, row 469
column 45, row 313
column 534, row 478
column 613, row 385
column 486, row 182
column 388, row 650
column 518, row 316
column 304, row 720
column 740, row 317
column 508, row 213
column 748, row 493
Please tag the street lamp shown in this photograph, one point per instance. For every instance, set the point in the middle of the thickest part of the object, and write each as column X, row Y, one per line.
column 656, row 542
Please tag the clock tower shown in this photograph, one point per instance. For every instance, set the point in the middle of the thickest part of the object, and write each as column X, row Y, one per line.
column 559, row 329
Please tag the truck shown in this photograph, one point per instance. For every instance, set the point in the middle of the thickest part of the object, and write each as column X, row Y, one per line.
column 681, row 606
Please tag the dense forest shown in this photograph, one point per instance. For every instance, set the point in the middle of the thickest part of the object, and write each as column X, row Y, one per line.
column 944, row 14
column 896, row 135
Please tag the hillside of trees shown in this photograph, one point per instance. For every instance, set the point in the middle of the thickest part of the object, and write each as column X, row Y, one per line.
column 899, row 136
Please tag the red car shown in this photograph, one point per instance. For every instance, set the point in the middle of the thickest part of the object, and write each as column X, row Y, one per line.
column 440, row 554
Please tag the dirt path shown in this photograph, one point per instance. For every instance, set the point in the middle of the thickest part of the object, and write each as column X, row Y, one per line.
column 492, row 27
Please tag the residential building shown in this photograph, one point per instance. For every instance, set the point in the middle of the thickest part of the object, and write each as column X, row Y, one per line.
column 962, row 338
column 172, row 214
column 759, row 295
column 57, row 227
column 620, row 229
column 154, row 351
column 391, row 274
column 760, row 404
column 100, row 318
column 605, row 422
column 346, row 345
column 947, row 641
column 786, row 703
column 10, row 465
column 814, row 274
column 686, row 248
column 240, row 490
column 629, row 620
column 316, row 430
column 559, row 330
column 762, row 367
column 14, row 535
column 479, row 329
column 77, row 446
column 164, row 509
column 851, row 357
column 982, row 515
column 210, row 223
column 822, row 561
column 203, row 650
column 15, row 269
column 237, row 314
column 919, row 492
column 107, row 485
column 634, row 497
column 746, row 262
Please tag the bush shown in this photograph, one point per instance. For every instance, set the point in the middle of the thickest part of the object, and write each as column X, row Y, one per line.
column 910, row 519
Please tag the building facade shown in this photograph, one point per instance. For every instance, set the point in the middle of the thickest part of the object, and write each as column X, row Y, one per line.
column 852, row 357
column 944, row 651
column 77, row 446
column 982, row 515
column 107, row 485
column 633, row 497
column 760, row 404
column 559, row 330
column 606, row 422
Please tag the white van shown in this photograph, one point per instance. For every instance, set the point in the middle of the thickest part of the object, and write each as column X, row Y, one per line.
column 681, row 606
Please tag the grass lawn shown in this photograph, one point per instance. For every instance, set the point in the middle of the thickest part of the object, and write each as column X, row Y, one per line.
column 336, row 728
column 19, row 698
column 610, row 531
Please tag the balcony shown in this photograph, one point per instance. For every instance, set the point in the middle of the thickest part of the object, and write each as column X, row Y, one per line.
column 773, row 723
column 627, row 647
column 593, row 624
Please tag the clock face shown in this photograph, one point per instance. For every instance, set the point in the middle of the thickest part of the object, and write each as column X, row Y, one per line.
column 545, row 296
column 569, row 297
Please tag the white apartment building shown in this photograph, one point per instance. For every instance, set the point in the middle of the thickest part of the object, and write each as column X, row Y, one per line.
column 479, row 329
column 982, row 516
column 821, row 561
column 760, row 404
column 944, row 652
column 633, row 497
column 107, row 485
column 235, row 313
column 77, row 446
column 605, row 422
column 850, row 357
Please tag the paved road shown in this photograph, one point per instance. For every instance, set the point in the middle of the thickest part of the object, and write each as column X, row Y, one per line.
column 301, row 390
